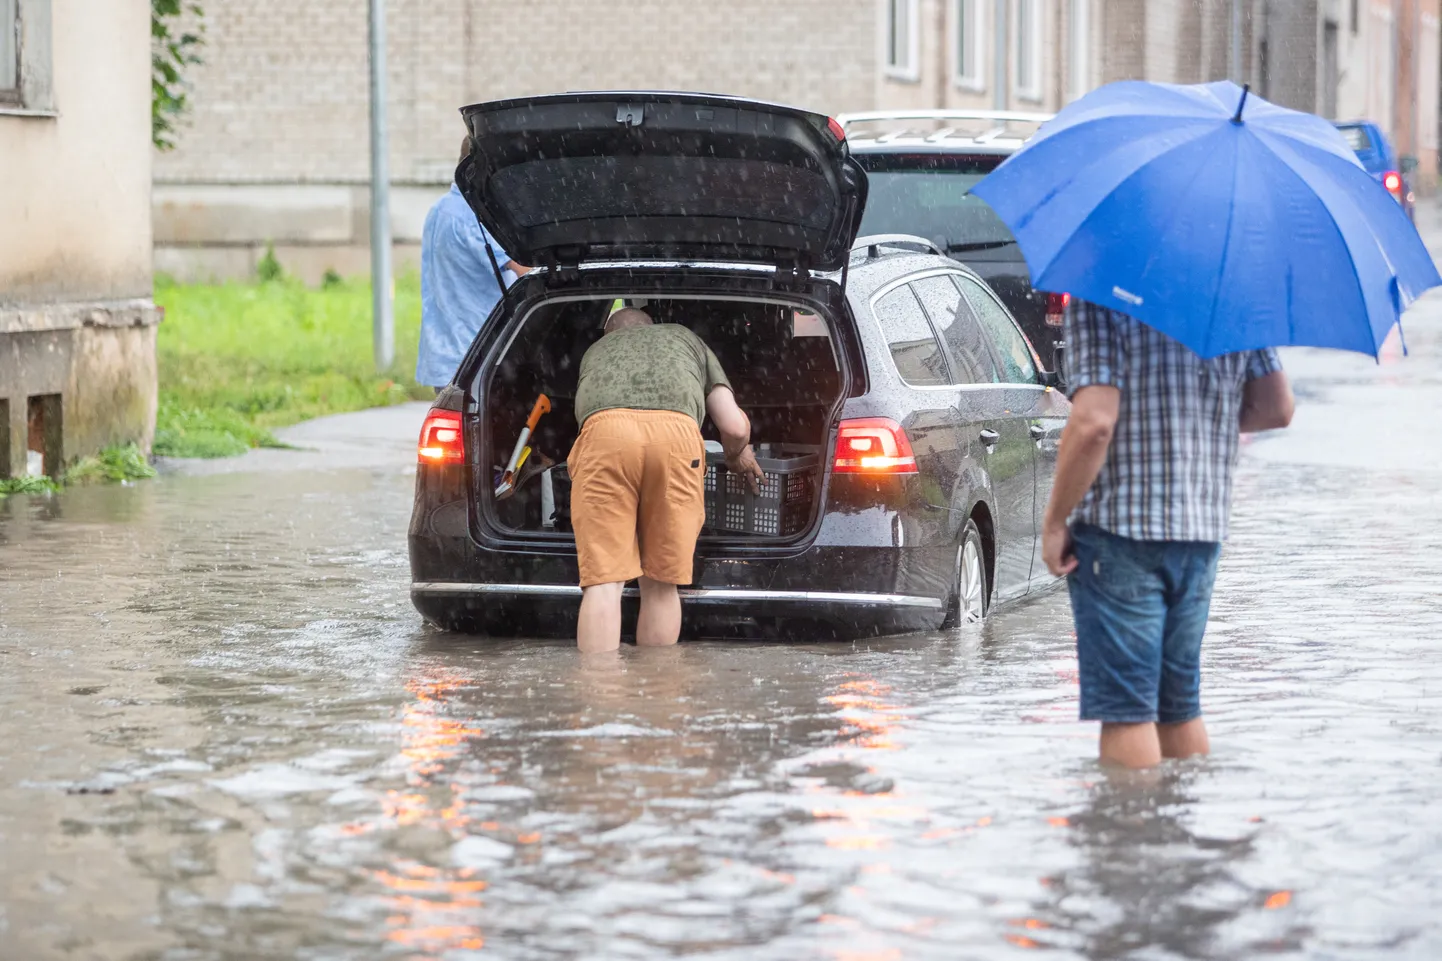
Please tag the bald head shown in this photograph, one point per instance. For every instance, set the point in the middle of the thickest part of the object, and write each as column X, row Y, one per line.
column 626, row 318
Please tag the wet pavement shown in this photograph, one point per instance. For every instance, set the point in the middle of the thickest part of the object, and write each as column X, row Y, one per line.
column 225, row 734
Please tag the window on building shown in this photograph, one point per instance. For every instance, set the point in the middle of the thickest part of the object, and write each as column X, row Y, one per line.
column 25, row 62
column 1080, row 59
column 902, row 39
column 968, row 46
column 1028, row 48
column 9, row 51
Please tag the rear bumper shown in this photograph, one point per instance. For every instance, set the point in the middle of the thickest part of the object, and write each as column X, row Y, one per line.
column 725, row 612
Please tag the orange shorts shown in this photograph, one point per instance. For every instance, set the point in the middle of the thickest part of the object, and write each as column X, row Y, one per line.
column 637, row 500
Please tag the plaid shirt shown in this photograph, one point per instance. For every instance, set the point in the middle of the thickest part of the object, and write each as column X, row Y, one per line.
column 1168, row 473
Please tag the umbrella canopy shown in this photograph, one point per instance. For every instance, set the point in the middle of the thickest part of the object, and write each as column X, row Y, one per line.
column 1224, row 221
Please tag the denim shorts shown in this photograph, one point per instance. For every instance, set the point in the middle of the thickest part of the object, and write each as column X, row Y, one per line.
column 1141, row 610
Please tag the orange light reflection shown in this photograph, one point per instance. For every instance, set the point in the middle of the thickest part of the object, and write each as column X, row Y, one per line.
column 1278, row 900
column 430, row 905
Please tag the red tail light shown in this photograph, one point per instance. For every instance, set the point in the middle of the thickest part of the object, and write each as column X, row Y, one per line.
column 1056, row 309
column 873, row 445
column 1392, row 180
column 837, row 131
column 441, row 441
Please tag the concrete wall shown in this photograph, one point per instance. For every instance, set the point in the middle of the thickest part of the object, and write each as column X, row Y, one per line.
column 76, row 319
column 276, row 149
column 100, row 359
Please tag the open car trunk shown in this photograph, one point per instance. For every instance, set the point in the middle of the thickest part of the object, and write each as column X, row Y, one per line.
column 782, row 363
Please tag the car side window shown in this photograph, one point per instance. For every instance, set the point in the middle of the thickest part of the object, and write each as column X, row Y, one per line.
column 953, row 319
column 1017, row 365
column 914, row 350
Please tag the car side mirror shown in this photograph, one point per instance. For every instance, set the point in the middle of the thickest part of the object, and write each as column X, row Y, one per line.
column 1408, row 165
column 1053, row 378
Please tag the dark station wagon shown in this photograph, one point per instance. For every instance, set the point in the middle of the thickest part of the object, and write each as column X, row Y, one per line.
column 916, row 428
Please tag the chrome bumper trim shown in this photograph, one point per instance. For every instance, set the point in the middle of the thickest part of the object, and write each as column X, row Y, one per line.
column 699, row 593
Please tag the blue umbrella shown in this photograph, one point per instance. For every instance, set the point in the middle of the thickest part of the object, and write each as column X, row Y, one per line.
column 1225, row 222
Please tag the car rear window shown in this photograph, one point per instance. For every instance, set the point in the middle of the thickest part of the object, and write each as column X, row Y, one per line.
column 927, row 195
column 909, row 336
column 1356, row 138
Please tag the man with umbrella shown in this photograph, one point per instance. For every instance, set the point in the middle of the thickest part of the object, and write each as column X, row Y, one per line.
column 1144, row 476
column 1195, row 231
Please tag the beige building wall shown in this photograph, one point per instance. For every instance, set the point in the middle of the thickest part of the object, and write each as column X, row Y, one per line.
column 75, row 180
column 276, row 149
column 1389, row 70
column 77, row 325
column 1077, row 46
column 1064, row 41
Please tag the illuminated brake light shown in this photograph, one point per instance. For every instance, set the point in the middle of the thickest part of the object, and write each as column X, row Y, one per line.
column 873, row 445
column 441, row 439
column 1392, row 180
column 1056, row 309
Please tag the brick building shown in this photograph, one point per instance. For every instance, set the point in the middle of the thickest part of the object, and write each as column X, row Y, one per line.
column 277, row 153
column 951, row 54
column 276, row 150
column 1377, row 59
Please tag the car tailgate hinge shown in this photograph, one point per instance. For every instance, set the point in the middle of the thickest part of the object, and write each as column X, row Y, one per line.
column 792, row 275
column 563, row 264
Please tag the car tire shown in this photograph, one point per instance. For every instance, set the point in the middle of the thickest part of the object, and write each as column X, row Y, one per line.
column 970, row 599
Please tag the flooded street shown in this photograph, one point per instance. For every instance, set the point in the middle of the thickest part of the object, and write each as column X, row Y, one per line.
column 224, row 733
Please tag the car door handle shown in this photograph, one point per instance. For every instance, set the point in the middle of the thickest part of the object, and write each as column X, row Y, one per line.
column 1037, row 431
column 989, row 437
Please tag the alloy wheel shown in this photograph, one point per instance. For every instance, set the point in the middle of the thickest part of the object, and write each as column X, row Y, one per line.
column 971, row 583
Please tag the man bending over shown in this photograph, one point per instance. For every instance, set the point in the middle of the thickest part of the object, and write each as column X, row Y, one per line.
column 637, row 471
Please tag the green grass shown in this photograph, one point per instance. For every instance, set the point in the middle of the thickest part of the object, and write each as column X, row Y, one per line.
column 237, row 360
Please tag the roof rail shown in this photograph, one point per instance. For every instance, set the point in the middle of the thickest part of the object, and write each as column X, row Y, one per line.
column 874, row 242
column 1001, row 116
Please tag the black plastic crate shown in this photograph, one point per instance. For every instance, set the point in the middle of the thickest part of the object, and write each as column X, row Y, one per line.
column 784, row 505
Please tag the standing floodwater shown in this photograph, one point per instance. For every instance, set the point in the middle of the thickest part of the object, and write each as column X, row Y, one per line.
column 225, row 734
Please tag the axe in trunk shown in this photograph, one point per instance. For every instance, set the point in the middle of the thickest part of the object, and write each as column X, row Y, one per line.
column 522, row 451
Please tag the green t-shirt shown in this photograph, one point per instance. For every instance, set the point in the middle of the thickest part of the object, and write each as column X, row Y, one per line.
column 656, row 367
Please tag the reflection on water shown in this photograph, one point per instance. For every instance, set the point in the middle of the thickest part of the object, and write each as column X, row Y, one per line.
column 223, row 734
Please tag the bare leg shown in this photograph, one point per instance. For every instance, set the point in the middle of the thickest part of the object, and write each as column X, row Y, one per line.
column 660, row 621
column 1185, row 739
column 599, row 626
column 1130, row 745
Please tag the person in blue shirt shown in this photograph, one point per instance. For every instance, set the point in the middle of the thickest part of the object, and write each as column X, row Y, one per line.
column 458, row 284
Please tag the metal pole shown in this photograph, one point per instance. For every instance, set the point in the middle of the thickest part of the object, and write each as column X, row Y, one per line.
column 383, row 324
column 999, row 55
column 1234, row 68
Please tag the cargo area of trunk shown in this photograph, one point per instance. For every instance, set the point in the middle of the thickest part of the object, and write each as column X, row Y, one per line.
column 781, row 362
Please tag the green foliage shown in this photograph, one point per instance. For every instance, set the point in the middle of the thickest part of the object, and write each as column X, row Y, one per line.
column 27, row 485
column 268, row 269
column 237, row 360
column 332, row 278
column 113, row 465
column 172, row 49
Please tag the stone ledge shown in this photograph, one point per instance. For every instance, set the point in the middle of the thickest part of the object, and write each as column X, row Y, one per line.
column 68, row 316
